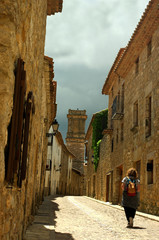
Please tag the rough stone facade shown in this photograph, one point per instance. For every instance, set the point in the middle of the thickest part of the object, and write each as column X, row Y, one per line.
column 131, row 139
column 22, row 27
column 76, row 136
column 91, row 174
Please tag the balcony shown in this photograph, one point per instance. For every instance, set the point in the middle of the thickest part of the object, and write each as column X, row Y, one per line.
column 117, row 109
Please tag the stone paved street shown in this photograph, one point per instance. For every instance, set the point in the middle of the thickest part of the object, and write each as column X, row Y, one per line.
column 83, row 218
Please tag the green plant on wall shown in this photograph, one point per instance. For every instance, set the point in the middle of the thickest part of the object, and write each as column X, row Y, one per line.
column 99, row 123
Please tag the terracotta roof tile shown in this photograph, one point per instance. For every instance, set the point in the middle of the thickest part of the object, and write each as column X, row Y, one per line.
column 140, row 38
column 107, row 84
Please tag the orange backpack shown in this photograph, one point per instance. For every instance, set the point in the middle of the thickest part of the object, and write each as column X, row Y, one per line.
column 131, row 187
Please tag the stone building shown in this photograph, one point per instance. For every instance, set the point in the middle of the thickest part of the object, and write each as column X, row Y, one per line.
column 76, row 136
column 70, row 178
column 131, row 139
column 53, row 165
column 91, row 174
column 26, row 91
column 96, row 180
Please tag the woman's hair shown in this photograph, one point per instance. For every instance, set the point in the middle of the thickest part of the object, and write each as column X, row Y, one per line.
column 132, row 172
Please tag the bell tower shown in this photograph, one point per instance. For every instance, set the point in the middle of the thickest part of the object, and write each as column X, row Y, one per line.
column 76, row 136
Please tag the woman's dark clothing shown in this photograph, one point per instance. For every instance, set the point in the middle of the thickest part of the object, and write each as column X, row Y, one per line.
column 130, row 201
column 129, row 212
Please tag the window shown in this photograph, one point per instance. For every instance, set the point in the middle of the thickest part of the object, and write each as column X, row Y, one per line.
column 137, row 66
column 112, row 92
column 18, row 130
column 112, row 147
column 118, row 102
column 135, row 113
column 119, row 80
column 149, row 49
column 148, row 116
column 122, row 99
column 117, row 135
column 111, row 121
column 122, row 132
column 150, row 172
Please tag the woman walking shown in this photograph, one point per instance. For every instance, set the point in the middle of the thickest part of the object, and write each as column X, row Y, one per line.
column 130, row 197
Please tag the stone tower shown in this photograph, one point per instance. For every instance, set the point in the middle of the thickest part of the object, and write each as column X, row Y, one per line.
column 76, row 136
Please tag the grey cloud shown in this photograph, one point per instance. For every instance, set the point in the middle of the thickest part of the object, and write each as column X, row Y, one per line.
column 84, row 40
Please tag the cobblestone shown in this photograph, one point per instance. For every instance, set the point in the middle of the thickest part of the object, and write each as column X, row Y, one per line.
column 82, row 218
column 89, row 220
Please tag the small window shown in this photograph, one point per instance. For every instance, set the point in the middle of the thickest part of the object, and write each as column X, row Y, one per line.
column 148, row 116
column 112, row 148
column 150, row 172
column 112, row 92
column 137, row 66
column 117, row 135
column 122, row 99
column 122, row 132
column 135, row 113
column 118, row 102
column 149, row 49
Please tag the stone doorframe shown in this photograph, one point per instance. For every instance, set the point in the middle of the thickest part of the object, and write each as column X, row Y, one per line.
column 109, row 186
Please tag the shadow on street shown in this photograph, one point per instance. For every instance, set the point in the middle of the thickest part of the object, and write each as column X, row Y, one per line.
column 54, row 209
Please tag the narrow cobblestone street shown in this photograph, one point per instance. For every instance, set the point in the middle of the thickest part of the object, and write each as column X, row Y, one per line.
column 82, row 218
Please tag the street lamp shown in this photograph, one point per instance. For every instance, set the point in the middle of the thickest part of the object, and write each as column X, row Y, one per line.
column 55, row 127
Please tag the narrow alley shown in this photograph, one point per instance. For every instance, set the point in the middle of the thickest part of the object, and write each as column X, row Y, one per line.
column 82, row 218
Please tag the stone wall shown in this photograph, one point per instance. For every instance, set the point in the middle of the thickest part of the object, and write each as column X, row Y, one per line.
column 138, row 147
column 131, row 139
column 76, row 136
column 90, row 166
column 76, row 185
column 64, row 172
column 22, row 27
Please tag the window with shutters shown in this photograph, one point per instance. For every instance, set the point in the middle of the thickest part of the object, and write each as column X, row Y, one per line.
column 18, row 130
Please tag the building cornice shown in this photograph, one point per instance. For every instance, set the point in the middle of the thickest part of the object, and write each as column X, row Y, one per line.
column 75, row 140
column 140, row 38
column 112, row 75
column 142, row 35
column 54, row 6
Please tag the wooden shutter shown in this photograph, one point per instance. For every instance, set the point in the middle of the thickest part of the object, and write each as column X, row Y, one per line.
column 29, row 107
column 16, row 124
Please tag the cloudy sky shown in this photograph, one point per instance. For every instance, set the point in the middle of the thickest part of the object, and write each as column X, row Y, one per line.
column 84, row 40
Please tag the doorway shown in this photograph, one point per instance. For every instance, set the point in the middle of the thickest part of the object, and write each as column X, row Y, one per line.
column 107, row 187
column 94, row 185
column 119, row 179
